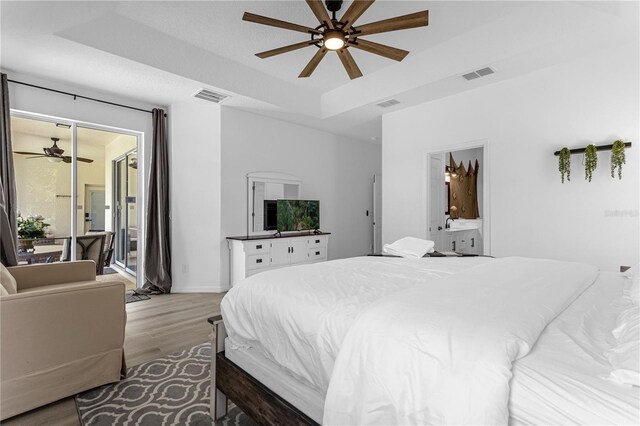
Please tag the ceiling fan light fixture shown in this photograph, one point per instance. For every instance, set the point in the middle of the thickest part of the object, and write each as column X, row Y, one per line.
column 54, row 159
column 333, row 40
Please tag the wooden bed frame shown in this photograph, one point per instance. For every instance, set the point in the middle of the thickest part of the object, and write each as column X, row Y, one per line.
column 228, row 381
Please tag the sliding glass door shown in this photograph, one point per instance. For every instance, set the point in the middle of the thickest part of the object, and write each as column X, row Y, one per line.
column 74, row 179
column 126, row 210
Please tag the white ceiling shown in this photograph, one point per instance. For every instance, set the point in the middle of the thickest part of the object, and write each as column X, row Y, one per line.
column 46, row 130
column 163, row 51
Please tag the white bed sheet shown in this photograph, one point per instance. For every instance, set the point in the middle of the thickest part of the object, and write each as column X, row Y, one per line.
column 298, row 316
column 560, row 381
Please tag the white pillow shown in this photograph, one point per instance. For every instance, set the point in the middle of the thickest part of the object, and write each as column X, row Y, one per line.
column 625, row 355
column 409, row 247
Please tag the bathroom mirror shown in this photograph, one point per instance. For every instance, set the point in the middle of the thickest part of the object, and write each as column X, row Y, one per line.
column 267, row 186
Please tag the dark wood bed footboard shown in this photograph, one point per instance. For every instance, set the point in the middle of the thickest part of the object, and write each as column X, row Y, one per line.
column 256, row 400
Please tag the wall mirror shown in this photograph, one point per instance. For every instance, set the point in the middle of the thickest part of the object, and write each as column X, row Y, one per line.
column 263, row 186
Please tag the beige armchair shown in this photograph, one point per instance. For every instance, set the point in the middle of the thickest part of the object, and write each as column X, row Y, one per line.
column 61, row 332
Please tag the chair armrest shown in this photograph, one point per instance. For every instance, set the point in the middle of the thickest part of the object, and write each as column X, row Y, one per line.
column 29, row 276
column 40, row 330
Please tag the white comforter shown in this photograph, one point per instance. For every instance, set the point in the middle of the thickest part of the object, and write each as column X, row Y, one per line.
column 298, row 316
column 441, row 353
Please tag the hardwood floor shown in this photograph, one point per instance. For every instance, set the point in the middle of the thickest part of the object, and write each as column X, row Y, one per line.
column 159, row 326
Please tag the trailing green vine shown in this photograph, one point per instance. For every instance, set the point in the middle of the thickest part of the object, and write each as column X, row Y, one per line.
column 564, row 164
column 590, row 161
column 617, row 158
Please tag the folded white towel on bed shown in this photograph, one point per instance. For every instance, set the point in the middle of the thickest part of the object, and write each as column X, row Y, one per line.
column 409, row 247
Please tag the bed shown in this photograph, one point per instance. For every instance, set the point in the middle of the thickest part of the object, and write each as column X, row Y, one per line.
column 295, row 333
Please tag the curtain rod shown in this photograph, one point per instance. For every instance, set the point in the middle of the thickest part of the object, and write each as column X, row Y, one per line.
column 598, row 148
column 75, row 96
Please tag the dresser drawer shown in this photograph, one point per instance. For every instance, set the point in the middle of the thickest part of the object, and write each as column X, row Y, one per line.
column 258, row 261
column 255, row 247
column 319, row 241
column 317, row 253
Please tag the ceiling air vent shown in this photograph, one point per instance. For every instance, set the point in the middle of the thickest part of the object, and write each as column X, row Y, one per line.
column 211, row 96
column 389, row 103
column 478, row 73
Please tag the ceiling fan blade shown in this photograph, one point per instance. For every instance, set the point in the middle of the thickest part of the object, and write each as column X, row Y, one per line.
column 379, row 49
column 313, row 63
column 37, row 156
column 84, row 160
column 258, row 19
column 404, row 22
column 318, row 9
column 28, row 153
column 356, row 9
column 67, row 159
column 349, row 64
column 285, row 49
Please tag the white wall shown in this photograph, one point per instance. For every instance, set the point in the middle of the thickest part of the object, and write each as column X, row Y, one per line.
column 336, row 170
column 38, row 101
column 591, row 100
column 195, row 196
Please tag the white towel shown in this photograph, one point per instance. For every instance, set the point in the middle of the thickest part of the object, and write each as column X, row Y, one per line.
column 410, row 247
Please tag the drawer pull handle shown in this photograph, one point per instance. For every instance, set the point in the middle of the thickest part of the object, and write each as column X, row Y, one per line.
column 317, row 253
column 258, row 260
column 259, row 246
column 317, row 241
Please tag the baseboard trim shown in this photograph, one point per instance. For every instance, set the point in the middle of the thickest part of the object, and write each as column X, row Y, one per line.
column 198, row 289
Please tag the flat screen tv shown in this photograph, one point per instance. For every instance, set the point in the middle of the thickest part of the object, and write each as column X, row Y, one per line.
column 295, row 215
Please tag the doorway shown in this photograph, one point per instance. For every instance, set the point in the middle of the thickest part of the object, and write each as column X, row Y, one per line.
column 94, row 208
column 64, row 178
column 457, row 191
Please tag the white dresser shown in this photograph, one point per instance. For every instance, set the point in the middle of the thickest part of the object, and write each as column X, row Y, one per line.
column 252, row 255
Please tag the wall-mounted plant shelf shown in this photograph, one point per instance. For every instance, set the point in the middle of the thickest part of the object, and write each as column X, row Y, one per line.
column 598, row 148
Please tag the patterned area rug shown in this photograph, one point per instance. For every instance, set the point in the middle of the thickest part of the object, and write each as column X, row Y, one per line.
column 133, row 297
column 173, row 390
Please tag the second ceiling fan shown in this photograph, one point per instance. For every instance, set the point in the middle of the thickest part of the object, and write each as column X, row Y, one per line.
column 54, row 154
column 339, row 35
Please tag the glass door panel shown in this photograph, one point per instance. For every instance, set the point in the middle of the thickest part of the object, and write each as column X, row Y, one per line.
column 126, row 210
column 132, row 210
column 43, row 167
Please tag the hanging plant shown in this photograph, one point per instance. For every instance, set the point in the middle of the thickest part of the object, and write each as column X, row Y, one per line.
column 590, row 161
column 617, row 158
column 564, row 164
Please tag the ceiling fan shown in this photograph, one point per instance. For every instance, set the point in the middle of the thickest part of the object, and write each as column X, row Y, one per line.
column 53, row 154
column 340, row 35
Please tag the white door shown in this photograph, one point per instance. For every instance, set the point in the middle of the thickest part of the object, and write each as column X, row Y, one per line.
column 280, row 253
column 436, row 210
column 299, row 250
column 96, row 207
column 377, row 214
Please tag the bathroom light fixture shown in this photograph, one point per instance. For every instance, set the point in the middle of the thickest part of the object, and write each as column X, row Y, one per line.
column 64, row 126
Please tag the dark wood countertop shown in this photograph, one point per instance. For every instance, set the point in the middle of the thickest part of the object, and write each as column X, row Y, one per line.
column 273, row 237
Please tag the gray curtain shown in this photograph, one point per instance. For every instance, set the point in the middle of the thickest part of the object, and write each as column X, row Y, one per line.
column 8, row 208
column 157, row 250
